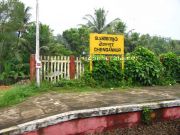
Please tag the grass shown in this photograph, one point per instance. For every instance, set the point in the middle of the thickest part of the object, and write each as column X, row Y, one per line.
column 19, row 93
column 1, row 93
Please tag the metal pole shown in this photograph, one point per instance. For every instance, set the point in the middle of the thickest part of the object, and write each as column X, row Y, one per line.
column 37, row 45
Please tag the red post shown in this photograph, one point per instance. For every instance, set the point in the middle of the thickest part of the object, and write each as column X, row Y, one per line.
column 32, row 67
column 72, row 68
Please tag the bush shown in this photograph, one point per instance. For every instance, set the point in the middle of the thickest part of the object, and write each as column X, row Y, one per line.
column 171, row 63
column 107, row 73
column 144, row 69
column 89, row 80
column 146, row 115
column 70, row 83
column 13, row 72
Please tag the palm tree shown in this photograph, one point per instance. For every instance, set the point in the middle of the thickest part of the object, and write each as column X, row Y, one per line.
column 14, row 19
column 25, row 20
column 97, row 23
column 24, row 24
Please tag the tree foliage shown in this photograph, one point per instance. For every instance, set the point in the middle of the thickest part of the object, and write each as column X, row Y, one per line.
column 156, row 44
column 13, row 19
column 77, row 39
column 30, row 37
column 98, row 22
column 17, row 42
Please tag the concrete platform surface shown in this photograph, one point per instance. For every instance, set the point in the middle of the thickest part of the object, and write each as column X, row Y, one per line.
column 52, row 103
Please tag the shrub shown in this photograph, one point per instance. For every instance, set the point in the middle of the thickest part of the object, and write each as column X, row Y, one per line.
column 146, row 115
column 171, row 63
column 107, row 73
column 144, row 69
column 13, row 72
column 89, row 80
column 70, row 83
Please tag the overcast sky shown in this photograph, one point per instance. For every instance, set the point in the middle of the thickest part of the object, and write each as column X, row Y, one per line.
column 156, row 17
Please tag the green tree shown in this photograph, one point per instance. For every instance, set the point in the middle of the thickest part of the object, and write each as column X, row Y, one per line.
column 131, row 41
column 77, row 39
column 12, row 14
column 156, row 44
column 118, row 27
column 49, row 45
column 97, row 23
column 60, row 39
column 176, row 48
column 56, row 49
column 30, row 36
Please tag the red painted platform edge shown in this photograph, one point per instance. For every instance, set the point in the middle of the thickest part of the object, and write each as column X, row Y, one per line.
column 104, row 123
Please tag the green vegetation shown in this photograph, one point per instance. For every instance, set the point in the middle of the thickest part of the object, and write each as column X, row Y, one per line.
column 142, row 68
column 17, row 42
column 71, row 83
column 152, row 60
column 107, row 73
column 77, row 39
column 146, row 115
column 14, row 18
column 21, row 92
column 97, row 23
column 171, row 63
column 145, row 68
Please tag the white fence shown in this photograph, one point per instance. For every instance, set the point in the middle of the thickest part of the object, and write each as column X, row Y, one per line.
column 55, row 68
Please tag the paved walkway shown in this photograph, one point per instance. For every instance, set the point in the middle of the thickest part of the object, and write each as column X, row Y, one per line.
column 54, row 103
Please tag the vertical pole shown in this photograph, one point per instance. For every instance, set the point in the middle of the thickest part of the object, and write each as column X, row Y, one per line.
column 122, row 56
column 90, row 64
column 72, row 67
column 122, row 64
column 32, row 67
column 37, row 45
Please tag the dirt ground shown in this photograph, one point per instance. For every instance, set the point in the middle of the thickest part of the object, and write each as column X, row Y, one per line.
column 3, row 87
column 158, row 128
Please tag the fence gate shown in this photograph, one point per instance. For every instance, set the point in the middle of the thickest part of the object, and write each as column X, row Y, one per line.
column 55, row 68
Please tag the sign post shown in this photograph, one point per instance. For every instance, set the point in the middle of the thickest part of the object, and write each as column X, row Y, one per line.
column 106, row 44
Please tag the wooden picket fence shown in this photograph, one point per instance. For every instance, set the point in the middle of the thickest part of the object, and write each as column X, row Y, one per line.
column 55, row 68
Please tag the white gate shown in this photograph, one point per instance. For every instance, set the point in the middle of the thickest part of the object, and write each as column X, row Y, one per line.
column 55, row 68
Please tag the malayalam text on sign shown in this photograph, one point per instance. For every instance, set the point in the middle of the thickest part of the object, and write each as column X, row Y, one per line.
column 106, row 44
